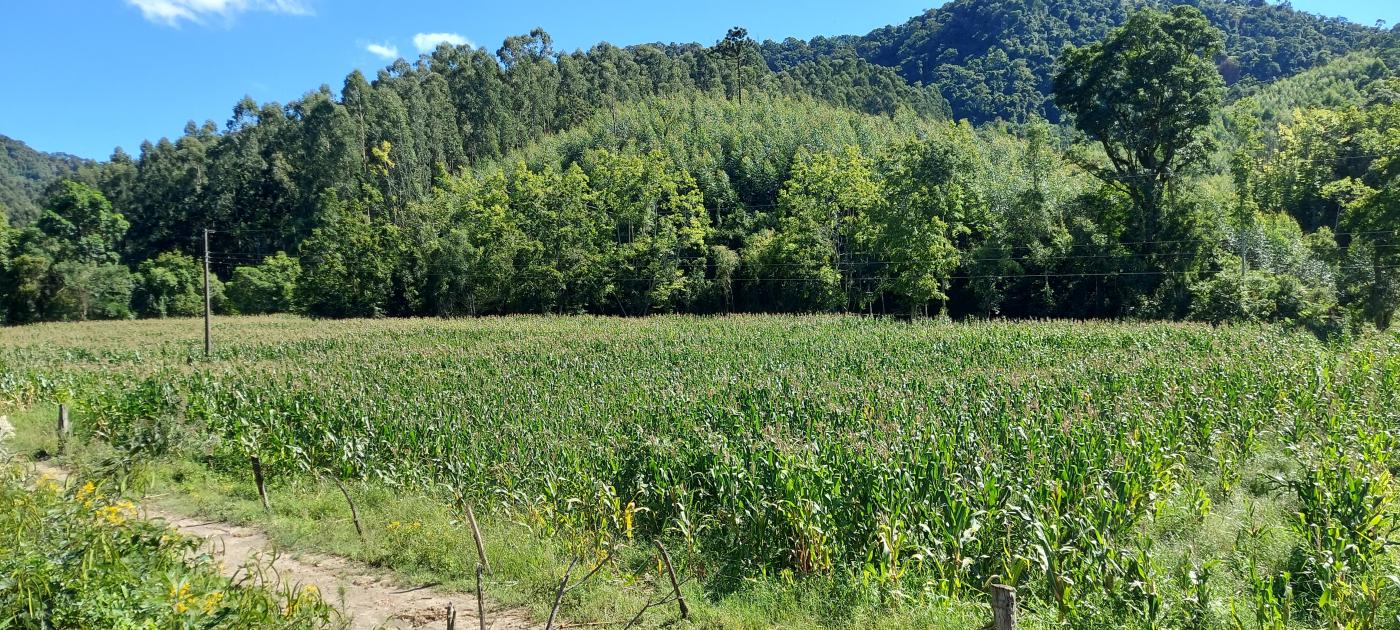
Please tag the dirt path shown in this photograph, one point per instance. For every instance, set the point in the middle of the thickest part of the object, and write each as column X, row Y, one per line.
column 367, row 596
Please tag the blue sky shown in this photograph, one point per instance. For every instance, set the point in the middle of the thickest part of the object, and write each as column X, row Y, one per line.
column 88, row 75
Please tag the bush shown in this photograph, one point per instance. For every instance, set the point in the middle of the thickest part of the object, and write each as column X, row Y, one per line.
column 90, row 291
column 1228, row 297
column 172, row 285
column 82, row 559
column 266, row 288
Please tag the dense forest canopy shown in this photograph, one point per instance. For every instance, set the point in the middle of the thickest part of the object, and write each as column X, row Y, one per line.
column 992, row 59
column 24, row 173
column 776, row 177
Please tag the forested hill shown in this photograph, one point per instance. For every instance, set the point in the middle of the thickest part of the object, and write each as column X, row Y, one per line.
column 993, row 58
column 690, row 178
column 24, row 173
column 263, row 174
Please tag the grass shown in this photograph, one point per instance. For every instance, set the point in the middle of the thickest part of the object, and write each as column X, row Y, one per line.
column 805, row 471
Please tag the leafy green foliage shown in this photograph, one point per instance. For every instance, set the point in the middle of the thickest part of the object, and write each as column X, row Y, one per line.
column 82, row 224
column 348, row 264
column 823, row 228
column 270, row 287
column 82, row 558
column 994, row 59
column 24, row 174
column 91, row 291
column 172, row 285
column 65, row 266
column 1145, row 95
column 933, row 208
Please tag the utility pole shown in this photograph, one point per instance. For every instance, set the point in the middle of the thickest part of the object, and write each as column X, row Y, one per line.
column 208, row 329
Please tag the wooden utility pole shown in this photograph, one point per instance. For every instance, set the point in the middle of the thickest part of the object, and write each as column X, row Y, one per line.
column 208, row 329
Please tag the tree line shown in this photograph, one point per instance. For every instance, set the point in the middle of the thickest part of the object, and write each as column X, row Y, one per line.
column 1159, row 202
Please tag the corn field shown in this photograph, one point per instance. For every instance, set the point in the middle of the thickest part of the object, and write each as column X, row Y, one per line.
column 1148, row 475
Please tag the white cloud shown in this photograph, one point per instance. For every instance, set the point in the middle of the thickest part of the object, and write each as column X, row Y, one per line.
column 387, row 51
column 171, row 12
column 426, row 42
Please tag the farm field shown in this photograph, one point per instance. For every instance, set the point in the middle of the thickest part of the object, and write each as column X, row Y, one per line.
column 808, row 470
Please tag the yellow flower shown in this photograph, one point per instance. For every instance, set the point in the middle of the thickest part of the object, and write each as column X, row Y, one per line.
column 211, row 602
column 308, row 595
column 111, row 514
column 393, row 526
column 117, row 513
column 181, row 594
column 46, row 483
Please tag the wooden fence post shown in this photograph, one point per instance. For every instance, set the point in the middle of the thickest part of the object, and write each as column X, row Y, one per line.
column 1003, row 607
column 675, row 584
column 63, row 427
column 476, row 536
column 258, row 479
column 480, row 601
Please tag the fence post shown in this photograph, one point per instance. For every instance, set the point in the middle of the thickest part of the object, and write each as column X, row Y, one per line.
column 480, row 601
column 354, row 513
column 476, row 536
column 258, row 479
column 1003, row 607
column 63, row 427
column 675, row 584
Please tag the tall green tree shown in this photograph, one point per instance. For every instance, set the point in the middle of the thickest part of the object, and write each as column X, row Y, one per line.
column 659, row 225
column 1373, row 210
column 475, row 269
column 348, row 263
column 1145, row 94
column 811, row 261
column 81, row 221
column 269, row 287
column 933, row 209
column 172, row 285
column 733, row 47
column 87, row 290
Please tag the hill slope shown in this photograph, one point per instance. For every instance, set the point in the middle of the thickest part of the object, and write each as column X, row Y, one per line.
column 994, row 58
column 23, row 174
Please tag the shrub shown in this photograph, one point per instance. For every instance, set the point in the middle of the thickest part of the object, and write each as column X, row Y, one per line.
column 266, row 288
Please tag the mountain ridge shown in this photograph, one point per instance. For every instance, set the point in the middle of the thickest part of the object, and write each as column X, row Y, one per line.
column 25, row 172
column 993, row 58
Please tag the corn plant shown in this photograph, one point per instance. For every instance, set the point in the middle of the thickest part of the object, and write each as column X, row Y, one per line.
column 927, row 458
